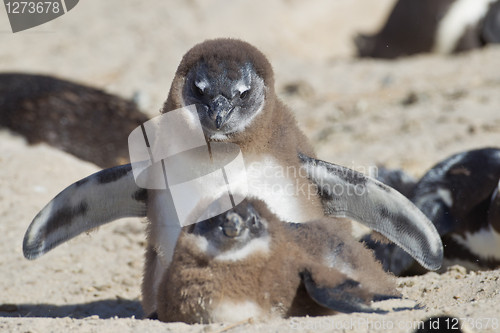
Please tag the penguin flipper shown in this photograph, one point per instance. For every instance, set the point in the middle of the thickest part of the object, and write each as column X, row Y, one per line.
column 348, row 193
column 346, row 297
column 89, row 203
column 491, row 25
column 391, row 256
column 397, row 179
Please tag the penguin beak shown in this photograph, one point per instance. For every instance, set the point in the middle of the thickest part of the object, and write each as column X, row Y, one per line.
column 219, row 110
column 233, row 225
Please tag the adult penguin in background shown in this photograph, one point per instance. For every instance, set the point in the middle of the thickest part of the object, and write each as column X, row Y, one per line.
column 231, row 84
column 439, row 26
column 460, row 195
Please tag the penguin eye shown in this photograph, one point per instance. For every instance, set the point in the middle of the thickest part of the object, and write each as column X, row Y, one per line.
column 244, row 94
column 253, row 221
column 253, row 224
column 198, row 90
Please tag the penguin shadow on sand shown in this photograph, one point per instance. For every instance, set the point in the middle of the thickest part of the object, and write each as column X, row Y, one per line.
column 104, row 309
column 460, row 195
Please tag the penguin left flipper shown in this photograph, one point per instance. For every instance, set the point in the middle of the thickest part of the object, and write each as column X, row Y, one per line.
column 346, row 297
column 348, row 193
column 491, row 26
column 100, row 198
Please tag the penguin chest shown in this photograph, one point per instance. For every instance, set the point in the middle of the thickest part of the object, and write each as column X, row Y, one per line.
column 285, row 188
column 237, row 311
column 483, row 247
column 199, row 287
column 207, row 295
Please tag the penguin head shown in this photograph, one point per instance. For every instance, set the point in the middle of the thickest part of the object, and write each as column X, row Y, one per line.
column 226, row 98
column 232, row 230
column 228, row 80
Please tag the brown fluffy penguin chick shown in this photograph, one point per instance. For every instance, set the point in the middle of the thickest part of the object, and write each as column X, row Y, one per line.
column 259, row 121
column 231, row 84
column 247, row 263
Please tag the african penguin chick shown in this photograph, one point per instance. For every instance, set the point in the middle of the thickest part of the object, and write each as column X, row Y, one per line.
column 231, row 84
column 247, row 263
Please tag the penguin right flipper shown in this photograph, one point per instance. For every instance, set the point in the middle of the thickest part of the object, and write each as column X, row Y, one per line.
column 89, row 203
column 346, row 297
column 491, row 25
column 348, row 193
column 397, row 179
column 392, row 257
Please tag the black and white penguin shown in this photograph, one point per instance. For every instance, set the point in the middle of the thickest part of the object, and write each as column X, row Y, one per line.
column 440, row 26
column 460, row 195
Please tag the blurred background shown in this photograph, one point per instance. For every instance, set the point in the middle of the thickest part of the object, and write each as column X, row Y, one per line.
column 128, row 45
column 356, row 111
column 400, row 112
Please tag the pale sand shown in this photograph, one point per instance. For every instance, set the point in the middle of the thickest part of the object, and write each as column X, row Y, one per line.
column 352, row 110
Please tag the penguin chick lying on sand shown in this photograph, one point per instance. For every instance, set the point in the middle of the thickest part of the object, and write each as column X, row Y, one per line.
column 247, row 263
column 460, row 195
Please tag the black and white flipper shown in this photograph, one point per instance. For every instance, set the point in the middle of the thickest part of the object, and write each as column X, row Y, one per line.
column 347, row 193
column 345, row 297
column 392, row 257
column 89, row 203
column 397, row 179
